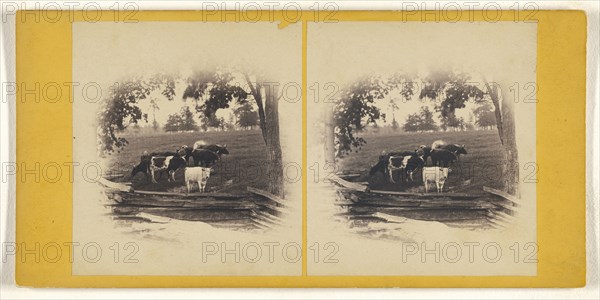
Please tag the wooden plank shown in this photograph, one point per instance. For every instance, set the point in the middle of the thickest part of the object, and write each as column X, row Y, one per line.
column 353, row 175
column 347, row 184
column 390, row 218
column 267, row 195
column 266, row 217
column 449, row 195
column 502, row 194
column 112, row 175
column 190, row 195
column 115, row 185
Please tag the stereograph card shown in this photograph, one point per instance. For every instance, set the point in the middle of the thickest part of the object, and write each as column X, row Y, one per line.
column 353, row 149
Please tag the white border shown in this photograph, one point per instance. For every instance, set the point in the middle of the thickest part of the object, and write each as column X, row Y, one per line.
column 8, row 290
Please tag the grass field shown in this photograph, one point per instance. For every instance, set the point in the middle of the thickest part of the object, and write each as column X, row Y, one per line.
column 482, row 166
column 244, row 166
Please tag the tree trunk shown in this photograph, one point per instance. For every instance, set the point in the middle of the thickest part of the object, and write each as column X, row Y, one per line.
column 271, row 136
column 505, row 122
column 511, row 174
column 329, row 143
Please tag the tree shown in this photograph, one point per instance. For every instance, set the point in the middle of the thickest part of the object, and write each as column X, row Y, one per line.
column 427, row 122
column 211, row 121
column 394, row 107
column 212, row 89
column 395, row 124
column 455, row 89
column 187, row 118
column 247, row 117
column 120, row 109
column 173, row 123
column 486, row 118
column 216, row 89
column 357, row 108
column 413, row 123
column 182, row 121
column 451, row 122
column 421, row 121
column 154, row 107
column 505, row 122
column 449, row 91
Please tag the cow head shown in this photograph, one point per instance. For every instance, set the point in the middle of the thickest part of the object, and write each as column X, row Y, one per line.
column 206, row 173
column 222, row 149
column 444, row 173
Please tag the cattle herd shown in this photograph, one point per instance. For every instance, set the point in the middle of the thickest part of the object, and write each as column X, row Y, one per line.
column 408, row 162
column 197, row 162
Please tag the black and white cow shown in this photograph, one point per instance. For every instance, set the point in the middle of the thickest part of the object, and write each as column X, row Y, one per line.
column 166, row 163
column 382, row 164
column 408, row 164
column 158, row 162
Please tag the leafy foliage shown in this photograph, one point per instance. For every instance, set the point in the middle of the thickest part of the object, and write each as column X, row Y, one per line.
column 213, row 90
column 450, row 91
column 120, row 109
column 246, row 116
column 395, row 125
column 421, row 121
column 182, row 121
column 485, row 115
column 211, row 121
column 357, row 107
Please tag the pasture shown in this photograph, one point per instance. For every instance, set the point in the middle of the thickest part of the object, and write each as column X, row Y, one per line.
column 482, row 166
column 244, row 166
column 463, row 203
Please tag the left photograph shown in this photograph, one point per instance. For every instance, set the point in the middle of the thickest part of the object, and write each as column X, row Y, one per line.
column 189, row 135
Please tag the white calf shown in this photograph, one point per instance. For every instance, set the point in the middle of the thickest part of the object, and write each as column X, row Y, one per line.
column 196, row 174
column 437, row 175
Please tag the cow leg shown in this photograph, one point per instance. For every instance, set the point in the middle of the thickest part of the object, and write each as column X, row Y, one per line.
column 391, row 174
column 152, row 175
column 426, row 186
column 200, row 187
column 172, row 175
column 187, row 184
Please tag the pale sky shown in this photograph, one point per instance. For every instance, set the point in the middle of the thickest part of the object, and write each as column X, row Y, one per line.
column 341, row 52
column 107, row 52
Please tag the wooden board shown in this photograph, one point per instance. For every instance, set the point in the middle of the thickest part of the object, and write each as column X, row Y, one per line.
column 449, row 195
column 347, row 184
column 190, row 195
column 502, row 194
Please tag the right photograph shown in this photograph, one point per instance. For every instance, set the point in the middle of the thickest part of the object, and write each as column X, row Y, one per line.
column 421, row 148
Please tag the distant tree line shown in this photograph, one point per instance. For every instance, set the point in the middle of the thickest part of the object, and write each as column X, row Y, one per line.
column 423, row 120
column 246, row 118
